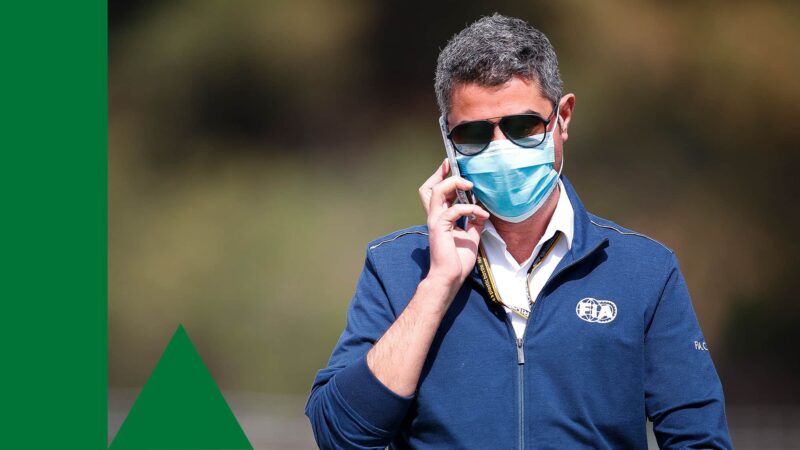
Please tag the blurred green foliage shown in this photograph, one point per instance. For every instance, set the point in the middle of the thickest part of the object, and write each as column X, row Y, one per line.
column 256, row 147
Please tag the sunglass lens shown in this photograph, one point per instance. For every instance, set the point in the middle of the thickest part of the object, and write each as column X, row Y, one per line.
column 470, row 138
column 522, row 128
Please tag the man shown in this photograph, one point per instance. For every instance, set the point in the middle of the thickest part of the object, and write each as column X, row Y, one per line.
column 569, row 331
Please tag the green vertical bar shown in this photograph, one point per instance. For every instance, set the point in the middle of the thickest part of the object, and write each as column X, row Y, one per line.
column 53, row 225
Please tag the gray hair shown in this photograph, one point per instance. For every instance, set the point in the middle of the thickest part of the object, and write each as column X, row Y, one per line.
column 492, row 50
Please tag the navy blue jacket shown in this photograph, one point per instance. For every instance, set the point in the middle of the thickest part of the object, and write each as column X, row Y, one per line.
column 612, row 340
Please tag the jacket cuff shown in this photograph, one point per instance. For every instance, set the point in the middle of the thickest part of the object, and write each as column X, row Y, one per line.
column 366, row 395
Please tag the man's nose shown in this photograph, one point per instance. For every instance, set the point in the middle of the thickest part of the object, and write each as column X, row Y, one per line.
column 497, row 134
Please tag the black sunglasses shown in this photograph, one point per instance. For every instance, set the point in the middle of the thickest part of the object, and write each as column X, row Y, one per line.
column 471, row 138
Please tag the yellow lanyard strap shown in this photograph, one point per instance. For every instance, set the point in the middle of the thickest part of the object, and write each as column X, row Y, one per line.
column 491, row 288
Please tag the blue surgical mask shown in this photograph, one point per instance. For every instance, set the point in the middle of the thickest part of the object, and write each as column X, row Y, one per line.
column 512, row 182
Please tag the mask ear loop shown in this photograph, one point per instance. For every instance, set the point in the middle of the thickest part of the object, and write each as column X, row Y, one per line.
column 560, row 169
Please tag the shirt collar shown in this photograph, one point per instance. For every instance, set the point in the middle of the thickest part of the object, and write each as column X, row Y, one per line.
column 563, row 220
column 586, row 237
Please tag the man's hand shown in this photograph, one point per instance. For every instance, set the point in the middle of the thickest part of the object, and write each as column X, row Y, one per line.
column 398, row 356
column 453, row 249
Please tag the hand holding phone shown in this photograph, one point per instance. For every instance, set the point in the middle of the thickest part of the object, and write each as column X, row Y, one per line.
column 453, row 241
column 464, row 197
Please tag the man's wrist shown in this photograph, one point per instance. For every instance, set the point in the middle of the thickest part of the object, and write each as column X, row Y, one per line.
column 437, row 292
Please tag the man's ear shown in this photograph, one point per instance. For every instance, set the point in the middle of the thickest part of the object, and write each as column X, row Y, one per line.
column 566, row 105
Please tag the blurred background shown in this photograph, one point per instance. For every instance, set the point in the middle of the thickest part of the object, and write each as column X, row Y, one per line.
column 255, row 147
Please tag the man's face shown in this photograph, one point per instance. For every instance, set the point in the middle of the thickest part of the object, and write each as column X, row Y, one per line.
column 517, row 96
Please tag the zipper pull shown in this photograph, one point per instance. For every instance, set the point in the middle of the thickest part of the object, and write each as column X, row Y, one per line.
column 520, row 352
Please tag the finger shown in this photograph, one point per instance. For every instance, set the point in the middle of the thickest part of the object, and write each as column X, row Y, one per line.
column 444, row 191
column 455, row 212
column 475, row 227
column 480, row 216
column 438, row 175
column 477, row 220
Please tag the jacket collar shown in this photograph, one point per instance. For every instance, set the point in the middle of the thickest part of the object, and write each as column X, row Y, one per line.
column 585, row 241
column 587, row 238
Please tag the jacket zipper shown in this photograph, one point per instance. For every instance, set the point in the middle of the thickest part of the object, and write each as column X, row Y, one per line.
column 521, row 392
column 521, row 349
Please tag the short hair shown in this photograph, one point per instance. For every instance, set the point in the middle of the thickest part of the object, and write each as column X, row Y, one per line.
column 490, row 51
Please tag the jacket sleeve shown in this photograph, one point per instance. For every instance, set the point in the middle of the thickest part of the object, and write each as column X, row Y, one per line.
column 349, row 408
column 683, row 393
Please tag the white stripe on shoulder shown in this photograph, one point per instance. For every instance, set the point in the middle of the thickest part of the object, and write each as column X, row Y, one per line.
column 630, row 233
column 372, row 247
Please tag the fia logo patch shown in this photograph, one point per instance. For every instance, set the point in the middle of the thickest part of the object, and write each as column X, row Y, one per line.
column 596, row 311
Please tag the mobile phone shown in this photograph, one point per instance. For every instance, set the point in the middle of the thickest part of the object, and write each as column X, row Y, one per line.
column 464, row 197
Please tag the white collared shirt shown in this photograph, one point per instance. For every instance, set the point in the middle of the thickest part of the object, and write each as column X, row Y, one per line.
column 510, row 276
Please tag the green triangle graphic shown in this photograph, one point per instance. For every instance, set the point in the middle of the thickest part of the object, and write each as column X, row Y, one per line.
column 180, row 406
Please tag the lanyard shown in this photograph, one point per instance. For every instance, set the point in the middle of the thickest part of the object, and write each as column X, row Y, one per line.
column 488, row 280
